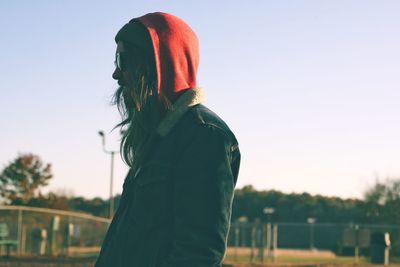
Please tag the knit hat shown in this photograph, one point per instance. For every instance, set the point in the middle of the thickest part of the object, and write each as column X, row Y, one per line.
column 174, row 46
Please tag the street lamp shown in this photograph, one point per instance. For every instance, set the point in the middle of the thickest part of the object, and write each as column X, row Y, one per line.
column 112, row 153
column 311, row 222
column 268, row 233
column 268, row 211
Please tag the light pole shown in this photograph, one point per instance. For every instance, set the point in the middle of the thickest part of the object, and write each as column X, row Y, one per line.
column 311, row 222
column 268, row 233
column 268, row 211
column 112, row 153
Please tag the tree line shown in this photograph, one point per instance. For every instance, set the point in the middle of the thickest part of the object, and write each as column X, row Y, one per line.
column 22, row 179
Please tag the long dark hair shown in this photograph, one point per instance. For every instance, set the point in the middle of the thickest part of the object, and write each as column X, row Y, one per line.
column 140, row 106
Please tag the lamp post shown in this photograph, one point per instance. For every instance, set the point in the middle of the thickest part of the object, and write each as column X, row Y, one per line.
column 268, row 233
column 268, row 211
column 112, row 153
column 311, row 222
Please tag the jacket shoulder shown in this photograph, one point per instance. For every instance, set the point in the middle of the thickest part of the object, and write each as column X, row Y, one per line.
column 201, row 115
column 200, row 122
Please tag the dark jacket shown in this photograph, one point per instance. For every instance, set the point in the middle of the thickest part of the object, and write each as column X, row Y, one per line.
column 175, row 210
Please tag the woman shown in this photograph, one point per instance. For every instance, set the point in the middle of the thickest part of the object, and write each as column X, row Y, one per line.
column 176, row 203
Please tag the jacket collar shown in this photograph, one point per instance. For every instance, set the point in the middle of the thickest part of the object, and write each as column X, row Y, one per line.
column 189, row 99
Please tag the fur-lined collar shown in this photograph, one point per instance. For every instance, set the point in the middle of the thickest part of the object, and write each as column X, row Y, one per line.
column 190, row 98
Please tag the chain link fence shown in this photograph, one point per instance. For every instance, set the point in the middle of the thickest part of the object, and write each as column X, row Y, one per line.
column 39, row 231
column 257, row 241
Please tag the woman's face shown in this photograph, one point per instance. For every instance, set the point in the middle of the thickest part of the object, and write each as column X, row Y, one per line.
column 124, row 78
column 118, row 73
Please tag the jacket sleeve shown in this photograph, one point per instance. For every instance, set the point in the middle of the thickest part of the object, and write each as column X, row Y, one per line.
column 203, row 192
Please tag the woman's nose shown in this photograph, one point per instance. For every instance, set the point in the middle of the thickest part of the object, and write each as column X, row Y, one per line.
column 117, row 74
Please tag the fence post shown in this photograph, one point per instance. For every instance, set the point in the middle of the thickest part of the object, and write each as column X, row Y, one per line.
column 253, row 241
column 275, row 241
column 23, row 240
column 269, row 239
column 356, row 247
column 19, row 231
column 68, row 235
column 262, row 240
column 236, row 241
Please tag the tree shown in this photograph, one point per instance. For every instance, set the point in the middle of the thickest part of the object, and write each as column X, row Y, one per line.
column 383, row 201
column 22, row 178
column 295, row 207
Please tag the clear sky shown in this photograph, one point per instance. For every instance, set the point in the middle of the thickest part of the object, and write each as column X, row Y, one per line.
column 310, row 88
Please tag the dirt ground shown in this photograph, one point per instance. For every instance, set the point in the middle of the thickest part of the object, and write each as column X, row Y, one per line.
column 46, row 262
column 89, row 262
column 51, row 262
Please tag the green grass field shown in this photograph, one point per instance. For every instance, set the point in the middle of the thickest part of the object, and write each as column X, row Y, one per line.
column 235, row 257
column 298, row 258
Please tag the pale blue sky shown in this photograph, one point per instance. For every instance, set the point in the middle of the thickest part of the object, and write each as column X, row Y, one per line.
column 310, row 88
